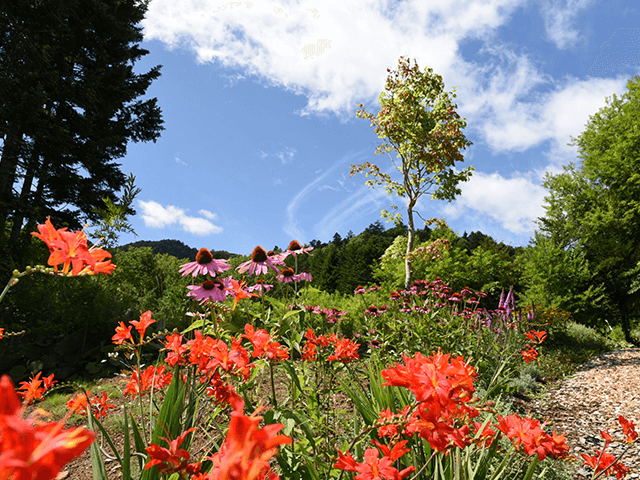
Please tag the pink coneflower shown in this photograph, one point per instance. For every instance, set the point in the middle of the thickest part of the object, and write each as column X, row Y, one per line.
column 260, row 262
column 295, row 248
column 288, row 275
column 260, row 287
column 305, row 275
column 214, row 290
column 205, row 263
column 360, row 291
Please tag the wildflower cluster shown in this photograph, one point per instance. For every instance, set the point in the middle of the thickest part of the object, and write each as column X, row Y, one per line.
column 536, row 337
column 35, row 388
column 331, row 315
column 528, row 434
column 603, row 462
column 71, row 250
column 345, row 350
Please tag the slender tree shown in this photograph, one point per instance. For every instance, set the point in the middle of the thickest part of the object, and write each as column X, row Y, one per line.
column 418, row 121
column 70, row 102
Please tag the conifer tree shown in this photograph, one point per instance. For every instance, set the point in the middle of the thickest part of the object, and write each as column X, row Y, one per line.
column 70, row 101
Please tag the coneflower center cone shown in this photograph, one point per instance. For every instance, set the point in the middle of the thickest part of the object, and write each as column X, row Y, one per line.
column 209, row 284
column 287, row 272
column 294, row 245
column 259, row 255
column 204, row 256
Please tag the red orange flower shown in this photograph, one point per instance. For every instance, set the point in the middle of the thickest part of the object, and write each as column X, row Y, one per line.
column 536, row 336
column 151, row 376
column 530, row 355
column 123, row 333
column 34, row 389
column 247, row 449
column 142, row 324
column 345, row 351
column 239, row 293
column 528, row 433
column 373, row 467
column 603, row 461
column 628, row 428
column 71, row 249
column 34, row 451
column 173, row 459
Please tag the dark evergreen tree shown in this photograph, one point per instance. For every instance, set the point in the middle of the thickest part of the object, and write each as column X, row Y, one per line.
column 69, row 104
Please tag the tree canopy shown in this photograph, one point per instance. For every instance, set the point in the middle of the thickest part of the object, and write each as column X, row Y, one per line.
column 418, row 121
column 593, row 207
column 69, row 104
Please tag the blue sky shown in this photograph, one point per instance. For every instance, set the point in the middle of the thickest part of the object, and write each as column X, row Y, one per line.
column 259, row 103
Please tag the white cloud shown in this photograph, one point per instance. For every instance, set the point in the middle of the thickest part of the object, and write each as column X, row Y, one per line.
column 208, row 214
column 517, row 123
column 336, row 54
column 178, row 160
column 157, row 216
column 559, row 18
column 513, row 202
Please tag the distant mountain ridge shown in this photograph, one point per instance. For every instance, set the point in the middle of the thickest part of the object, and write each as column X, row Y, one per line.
column 175, row 248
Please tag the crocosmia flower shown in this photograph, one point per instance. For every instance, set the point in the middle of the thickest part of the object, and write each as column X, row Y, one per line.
column 260, row 262
column 246, row 451
column 34, row 450
column 205, row 263
column 70, row 249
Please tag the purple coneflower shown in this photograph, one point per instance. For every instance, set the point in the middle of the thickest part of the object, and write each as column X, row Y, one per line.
column 260, row 287
column 213, row 290
column 287, row 276
column 205, row 263
column 295, row 249
column 360, row 290
column 305, row 275
column 260, row 262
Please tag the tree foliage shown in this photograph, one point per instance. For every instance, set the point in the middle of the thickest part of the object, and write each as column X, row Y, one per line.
column 418, row 121
column 70, row 102
column 593, row 208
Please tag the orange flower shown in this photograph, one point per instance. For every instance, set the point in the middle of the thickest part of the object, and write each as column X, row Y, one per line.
column 373, row 467
column 628, row 428
column 536, row 336
column 345, row 351
column 34, row 389
column 1, row 333
column 246, row 451
column 238, row 292
column 176, row 350
column 78, row 404
column 151, row 376
column 143, row 324
column 173, row 459
column 123, row 333
column 71, row 248
column 604, row 461
column 34, row 451
column 530, row 355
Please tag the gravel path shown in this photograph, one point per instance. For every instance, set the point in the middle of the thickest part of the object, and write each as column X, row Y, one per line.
column 591, row 400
